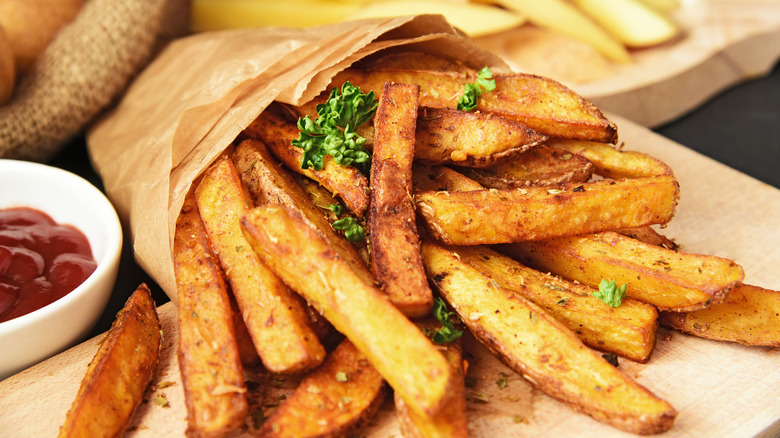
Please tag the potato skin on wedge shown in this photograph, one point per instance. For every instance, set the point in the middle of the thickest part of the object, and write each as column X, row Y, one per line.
column 115, row 381
column 543, row 350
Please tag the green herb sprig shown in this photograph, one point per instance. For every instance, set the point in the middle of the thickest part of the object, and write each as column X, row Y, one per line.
column 448, row 332
column 471, row 92
column 610, row 293
column 334, row 131
column 353, row 231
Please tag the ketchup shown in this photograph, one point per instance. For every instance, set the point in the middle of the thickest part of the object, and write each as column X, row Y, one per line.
column 40, row 261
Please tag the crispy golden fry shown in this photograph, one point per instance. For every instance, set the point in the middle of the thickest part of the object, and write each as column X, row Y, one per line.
column 628, row 330
column 541, row 165
column 543, row 350
column 669, row 280
column 748, row 315
column 450, row 421
column 438, row 179
column 417, row 61
column 542, row 104
column 395, row 346
column 392, row 229
column 274, row 315
column 211, row 372
column 537, row 213
column 650, row 236
column 346, row 182
column 332, row 400
column 446, row 136
column 118, row 375
column 270, row 183
column 611, row 162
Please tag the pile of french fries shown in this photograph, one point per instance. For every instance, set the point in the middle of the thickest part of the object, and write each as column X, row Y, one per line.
column 513, row 214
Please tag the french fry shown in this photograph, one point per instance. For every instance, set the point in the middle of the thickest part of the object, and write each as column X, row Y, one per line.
column 332, row 400
column 209, row 360
column 543, row 350
column 536, row 213
column 274, row 315
column 441, row 179
column 611, row 162
column 345, row 182
column 748, row 315
column 628, row 330
column 394, row 345
column 540, row 103
column 392, row 229
column 669, row 280
column 122, row 368
column 541, row 165
column 650, row 236
column 416, row 61
column 450, row 421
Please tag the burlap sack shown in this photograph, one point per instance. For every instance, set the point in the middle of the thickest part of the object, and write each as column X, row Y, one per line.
column 81, row 72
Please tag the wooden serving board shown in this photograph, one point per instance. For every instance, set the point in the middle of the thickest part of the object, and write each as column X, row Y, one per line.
column 719, row 389
column 724, row 42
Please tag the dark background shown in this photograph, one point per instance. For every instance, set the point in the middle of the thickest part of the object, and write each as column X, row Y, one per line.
column 739, row 127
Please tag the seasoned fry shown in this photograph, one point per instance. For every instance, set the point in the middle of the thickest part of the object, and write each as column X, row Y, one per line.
column 417, row 61
column 650, row 236
column 393, row 344
column 395, row 245
column 274, row 315
column 542, row 104
column 345, row 182
column 628, row 330
column 332, row 400
column 669, row 280
column 748, row 315
column 611, row 162
column 119, row 373
column 543, row 350
column 447, row 136
column 209, row 361
column 537, row 213
column 541, row 165
column 450, row 421
column 441, row 179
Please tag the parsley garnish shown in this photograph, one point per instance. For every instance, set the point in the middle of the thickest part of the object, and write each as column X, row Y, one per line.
column 610, row 293
column 334, row 131
column 353, row 231
column 336, row 208
column 448, row 332
column 484, row 82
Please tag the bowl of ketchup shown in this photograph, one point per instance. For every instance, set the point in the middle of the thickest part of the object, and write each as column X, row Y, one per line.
column 60, row 244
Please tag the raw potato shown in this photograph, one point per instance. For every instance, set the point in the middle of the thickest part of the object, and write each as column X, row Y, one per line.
column 209, row 361
column 630, row 21
column 116, row 379
column 538, row 213
column 543, row 350
column 332, row 400
column 749, row 315
column 614, row 163
column 392, row 227
column 669, row 280
column 395, row 346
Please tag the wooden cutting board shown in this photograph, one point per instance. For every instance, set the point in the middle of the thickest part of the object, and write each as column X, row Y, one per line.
column 719, row 389
column 723, row 42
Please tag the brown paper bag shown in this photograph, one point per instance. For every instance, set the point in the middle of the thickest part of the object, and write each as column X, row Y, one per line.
column 193, row 100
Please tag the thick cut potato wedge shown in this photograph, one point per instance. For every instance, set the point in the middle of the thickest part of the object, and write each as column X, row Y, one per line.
column 115, row 381
column 450, row 422
column 650, row 236
column 346, row 182
column 392, row 229
column 270, row 183
column 542, row 104
column 332, row 400
column 669, row 280
column 446, row 136
column 274, row 315
column 611, row 162
column 543, row 350
column 538, row 213
column 628, row 330
column 416, row 61
column 749, row 315
column 439, row 178
column 541, row 165
column 395, row 346
column 209, row 361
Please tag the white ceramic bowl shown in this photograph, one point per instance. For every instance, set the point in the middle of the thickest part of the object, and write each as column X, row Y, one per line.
column 68, row 199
